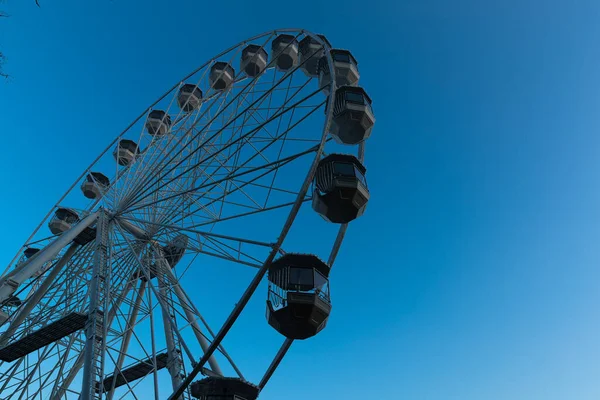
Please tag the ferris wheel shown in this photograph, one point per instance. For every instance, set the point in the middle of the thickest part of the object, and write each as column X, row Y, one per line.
column 220, row 170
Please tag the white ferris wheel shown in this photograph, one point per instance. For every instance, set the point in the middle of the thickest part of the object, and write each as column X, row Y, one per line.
column 221, row 168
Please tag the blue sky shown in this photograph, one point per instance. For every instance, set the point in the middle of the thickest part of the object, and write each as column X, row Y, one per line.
column 474, row 273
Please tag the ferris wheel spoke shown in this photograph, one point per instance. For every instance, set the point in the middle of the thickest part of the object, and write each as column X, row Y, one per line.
column 30, row 374
column 260, row 99
column 154, row 141
column 175, row 228
column 172, row 205
column 18, row 378
column 192, row 316
column 190, row 134
column 160, row 295
column 241, row 183
column 193, row 201
column 284, row 139
column 63, row 383
column 191, row 321
column 129, row 332
column 273, row 166
column 36, row 296
column 149, row 159
column 51, row 357
column 282, row 135
column 262, row 120
column 228, row 258
column 39, row 314
column 202, row 171
column 242, row 215
column 270, row 187
column 142, row 345
column 131, row 320
column 59, row 369
column 225, row 251
column 232, row 251
column 206, row 111
column 59, row 389
column 126, row 382
column 222, row 218
column 10, row 372
column 170, row 183
column 211, row 219
column 195, row 316
column 211, row 177
column 117, row 328
column 260, row 126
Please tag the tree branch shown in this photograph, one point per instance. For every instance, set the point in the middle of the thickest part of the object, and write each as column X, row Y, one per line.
column 2, row 59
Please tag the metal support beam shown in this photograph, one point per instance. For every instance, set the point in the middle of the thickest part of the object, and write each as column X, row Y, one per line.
column 94, row 327
column 59, row 390
column 127, row 338
column 136, row 231
column 19, row 267
column 153, row 341
column 275, row 363
column 159, row 294
column 31, row 372
column 192, row 319
column 62, row 365
column 174, row 363
column 190, row 315
column 32, row 301
column 35, row 264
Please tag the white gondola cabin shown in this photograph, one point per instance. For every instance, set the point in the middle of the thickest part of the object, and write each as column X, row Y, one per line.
column 63, row 220
column 126, row 152
column 345, row 68
column 311, row 52
column 221, row 75
column 158, row 123
column 284, row 49
column 95, row 185
column 254, row 60
column 189, row 97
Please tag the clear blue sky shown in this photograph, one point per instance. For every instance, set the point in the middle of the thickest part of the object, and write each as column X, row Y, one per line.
column 475, row 272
